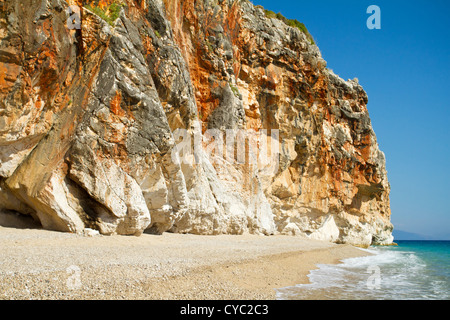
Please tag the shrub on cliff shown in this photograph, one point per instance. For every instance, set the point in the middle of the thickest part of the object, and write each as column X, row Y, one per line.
column 108, row 13
column 290, row 22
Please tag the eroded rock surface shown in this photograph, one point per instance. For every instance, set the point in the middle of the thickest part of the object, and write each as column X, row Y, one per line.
column 90, row 119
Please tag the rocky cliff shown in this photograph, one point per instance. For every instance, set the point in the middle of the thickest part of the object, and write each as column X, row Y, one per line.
column 203, row 117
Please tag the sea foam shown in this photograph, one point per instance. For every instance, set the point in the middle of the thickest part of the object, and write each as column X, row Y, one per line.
column 388, row 273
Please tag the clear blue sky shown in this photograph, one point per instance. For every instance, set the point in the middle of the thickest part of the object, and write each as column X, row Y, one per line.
column 405, row 69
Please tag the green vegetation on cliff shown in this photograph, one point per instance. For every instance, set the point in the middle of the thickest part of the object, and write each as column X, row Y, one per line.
column 290, row 22
column 110, row 14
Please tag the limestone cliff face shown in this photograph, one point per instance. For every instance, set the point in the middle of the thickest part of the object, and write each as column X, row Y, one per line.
column 90, row 120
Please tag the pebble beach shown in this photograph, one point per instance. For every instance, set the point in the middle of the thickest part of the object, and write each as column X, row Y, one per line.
column 47, row 265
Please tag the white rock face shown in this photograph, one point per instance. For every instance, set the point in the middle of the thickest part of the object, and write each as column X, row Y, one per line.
column 118, row 192
column 328, row 231
column 54, row 210
column 219, row 204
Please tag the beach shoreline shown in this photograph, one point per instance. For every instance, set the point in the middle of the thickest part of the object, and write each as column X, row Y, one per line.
column 46, row 265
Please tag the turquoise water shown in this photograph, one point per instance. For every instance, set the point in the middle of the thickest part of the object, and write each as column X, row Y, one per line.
column 413, row 270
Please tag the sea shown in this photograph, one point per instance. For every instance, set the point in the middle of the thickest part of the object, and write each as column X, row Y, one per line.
column 413, row 270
